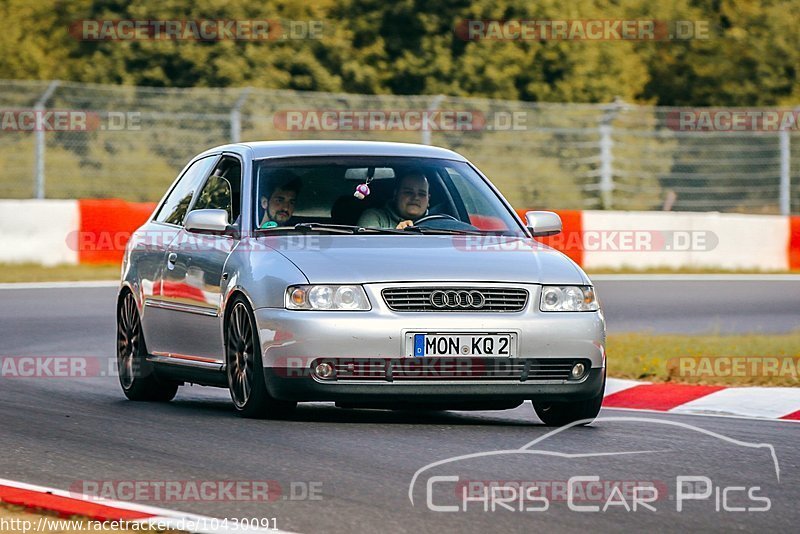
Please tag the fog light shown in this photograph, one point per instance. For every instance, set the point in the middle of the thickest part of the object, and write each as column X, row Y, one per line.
column 324, row 370
column 577, row 370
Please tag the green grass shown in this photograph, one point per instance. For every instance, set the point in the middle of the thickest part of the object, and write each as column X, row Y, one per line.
column 673, row 358
column 686, row 270
column 30, row 272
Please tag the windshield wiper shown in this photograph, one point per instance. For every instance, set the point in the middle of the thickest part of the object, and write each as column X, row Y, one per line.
column 289, row 229
column 323, row 227
column 376, row 230
column 332, row 228
column 312, row 227
column 348, row 228
column 441, row 231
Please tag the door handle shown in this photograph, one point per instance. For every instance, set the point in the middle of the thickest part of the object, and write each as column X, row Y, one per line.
column 171, row 259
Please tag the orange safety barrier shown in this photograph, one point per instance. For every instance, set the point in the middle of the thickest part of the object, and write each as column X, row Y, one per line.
column 794, row 242
column 105, row 227
column 570, row 240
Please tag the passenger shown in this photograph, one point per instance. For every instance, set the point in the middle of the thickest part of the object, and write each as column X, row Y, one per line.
column 409, row 203
column 279, row 202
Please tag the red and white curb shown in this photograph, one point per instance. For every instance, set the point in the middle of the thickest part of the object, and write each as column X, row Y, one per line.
column 756, row 402
column 67, row 504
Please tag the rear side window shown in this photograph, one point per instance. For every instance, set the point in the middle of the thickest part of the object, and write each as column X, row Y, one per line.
column 174, row 209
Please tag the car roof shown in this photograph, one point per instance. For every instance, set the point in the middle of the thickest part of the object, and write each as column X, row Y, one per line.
column 270, row 149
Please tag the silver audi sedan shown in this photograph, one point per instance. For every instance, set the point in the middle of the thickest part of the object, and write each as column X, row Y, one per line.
column 368, row 274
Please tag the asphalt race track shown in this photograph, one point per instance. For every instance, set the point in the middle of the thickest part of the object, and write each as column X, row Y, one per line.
column 727, row 305
column 351, row 470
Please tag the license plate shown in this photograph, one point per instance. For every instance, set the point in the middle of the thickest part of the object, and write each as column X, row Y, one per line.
column 498, row 345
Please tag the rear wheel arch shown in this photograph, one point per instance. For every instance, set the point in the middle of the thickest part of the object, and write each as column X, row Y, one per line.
column 136, row 375
column 123, row 292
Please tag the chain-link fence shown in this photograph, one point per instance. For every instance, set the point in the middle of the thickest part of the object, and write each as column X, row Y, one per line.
column 129, row 142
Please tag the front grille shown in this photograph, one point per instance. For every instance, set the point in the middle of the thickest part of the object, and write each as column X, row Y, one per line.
column 460, row 369
column 461, row 299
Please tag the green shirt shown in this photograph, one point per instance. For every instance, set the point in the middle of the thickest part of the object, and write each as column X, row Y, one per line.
column 384, row 217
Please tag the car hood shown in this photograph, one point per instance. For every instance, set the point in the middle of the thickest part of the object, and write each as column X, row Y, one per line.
column 393, row 258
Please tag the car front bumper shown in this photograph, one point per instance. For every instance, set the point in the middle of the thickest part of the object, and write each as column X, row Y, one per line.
column 293, row 341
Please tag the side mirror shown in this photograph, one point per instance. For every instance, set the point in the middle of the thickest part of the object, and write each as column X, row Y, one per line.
column 543, row 223
column 207, row 221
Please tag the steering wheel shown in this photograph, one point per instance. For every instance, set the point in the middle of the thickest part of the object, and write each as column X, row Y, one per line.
column 434, row 217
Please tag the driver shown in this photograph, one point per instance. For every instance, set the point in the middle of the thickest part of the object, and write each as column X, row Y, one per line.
column 278, row 204
column 409, row 203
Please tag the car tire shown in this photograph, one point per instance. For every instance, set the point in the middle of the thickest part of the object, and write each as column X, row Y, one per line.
column 244, row 368
column 136, row 375
column 565, row 413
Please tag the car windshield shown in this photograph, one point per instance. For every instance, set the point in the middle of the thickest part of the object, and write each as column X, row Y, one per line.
column 360, row 194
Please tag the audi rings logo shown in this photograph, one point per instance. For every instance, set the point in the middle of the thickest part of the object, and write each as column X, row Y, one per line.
column 463, row 299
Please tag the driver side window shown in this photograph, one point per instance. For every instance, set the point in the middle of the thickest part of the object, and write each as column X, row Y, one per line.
column 222, row 190
column 173, row 211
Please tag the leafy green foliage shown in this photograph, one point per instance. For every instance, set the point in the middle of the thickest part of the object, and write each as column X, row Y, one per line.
column 750, row 57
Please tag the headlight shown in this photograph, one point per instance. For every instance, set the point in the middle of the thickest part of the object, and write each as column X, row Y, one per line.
column 568, row 298
column 326, row 297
